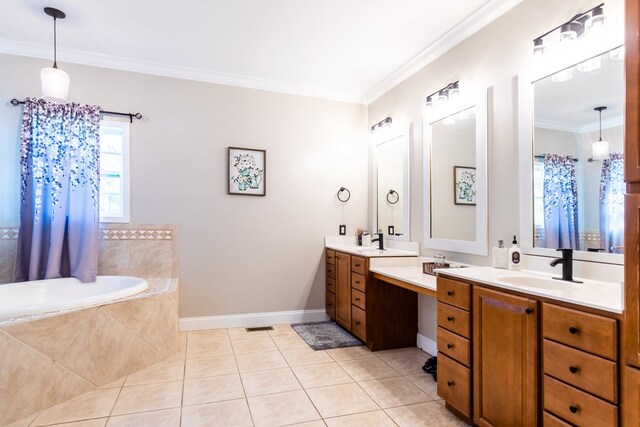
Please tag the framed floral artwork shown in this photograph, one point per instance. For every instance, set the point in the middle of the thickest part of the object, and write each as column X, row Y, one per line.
column 464, row 185
column 247, row 171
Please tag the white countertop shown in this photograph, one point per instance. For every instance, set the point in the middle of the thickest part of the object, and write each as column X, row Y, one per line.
column 598, row 295
column 370, row 252
column 413, row 275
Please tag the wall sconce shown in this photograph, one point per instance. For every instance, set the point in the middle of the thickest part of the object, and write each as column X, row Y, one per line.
column 573, row 29
column 600, row 148
column 450, row 92
column 382, row 124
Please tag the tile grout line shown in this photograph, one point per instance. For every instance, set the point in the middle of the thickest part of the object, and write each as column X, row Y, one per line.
column 244, row 391
column 184, row 377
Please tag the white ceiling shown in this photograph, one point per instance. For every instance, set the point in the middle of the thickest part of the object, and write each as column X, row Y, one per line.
column 351, row 50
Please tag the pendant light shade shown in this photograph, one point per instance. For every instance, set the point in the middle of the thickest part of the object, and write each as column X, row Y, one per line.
column 600, row 148
column 54, row 83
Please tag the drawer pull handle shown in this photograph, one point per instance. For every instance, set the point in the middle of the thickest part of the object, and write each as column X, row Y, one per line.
column 329, row 305
column 357, row 282
column 357, row 299
column 573, row 330
column 528, row 310
column 449, row 346
column 450, row 293
column 450, row 318
column 573, row 369
column 357, row 323
column 573, row 409
column 451, row 383
column 357, row 265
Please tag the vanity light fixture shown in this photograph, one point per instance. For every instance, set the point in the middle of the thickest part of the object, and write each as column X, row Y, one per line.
column 600, row 148
column 574, row 28
column 54, row 83
column 448, row 93
column 382, row 124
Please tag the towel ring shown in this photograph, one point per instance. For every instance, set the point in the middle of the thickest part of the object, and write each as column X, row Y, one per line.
column 390, row 194
column 340, row 192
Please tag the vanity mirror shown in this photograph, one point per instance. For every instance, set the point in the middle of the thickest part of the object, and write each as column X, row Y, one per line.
column 571, row 162
column 455, row 158
column 391, row 182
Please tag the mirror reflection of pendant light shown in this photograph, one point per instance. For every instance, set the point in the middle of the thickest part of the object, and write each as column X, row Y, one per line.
column 54, row 82
column 600, row 148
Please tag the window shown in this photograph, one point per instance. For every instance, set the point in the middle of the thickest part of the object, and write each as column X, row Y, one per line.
column 538, row 191
column 114, row 171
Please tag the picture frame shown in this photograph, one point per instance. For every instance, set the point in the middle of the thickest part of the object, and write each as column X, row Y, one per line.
column 464, row 185
column 246, row 171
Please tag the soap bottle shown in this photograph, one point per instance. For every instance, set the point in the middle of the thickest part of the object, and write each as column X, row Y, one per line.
column 500, row 256
column 515, row 256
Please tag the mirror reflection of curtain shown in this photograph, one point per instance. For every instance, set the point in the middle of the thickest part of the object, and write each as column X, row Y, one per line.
column 612, row 203
column 560, row 200
column 59, row 213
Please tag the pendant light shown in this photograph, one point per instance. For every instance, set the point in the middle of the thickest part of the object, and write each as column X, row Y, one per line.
column 600, row 148
column 54, row 82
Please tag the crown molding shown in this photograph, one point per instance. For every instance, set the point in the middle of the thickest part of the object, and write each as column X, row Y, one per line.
column 486, row 14
column 582, row 129
column 166, row 70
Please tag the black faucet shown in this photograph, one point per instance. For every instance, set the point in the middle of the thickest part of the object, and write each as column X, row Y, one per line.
column 380, row 240
column 567, row 265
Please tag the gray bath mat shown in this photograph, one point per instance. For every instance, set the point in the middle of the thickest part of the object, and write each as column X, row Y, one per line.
column 325, row 335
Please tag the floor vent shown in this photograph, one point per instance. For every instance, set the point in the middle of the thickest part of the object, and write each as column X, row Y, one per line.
column 260, row 328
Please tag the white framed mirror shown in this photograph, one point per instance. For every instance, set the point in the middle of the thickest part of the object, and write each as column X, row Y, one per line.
column 455, row 176
column 571, row 184
column 391, row 202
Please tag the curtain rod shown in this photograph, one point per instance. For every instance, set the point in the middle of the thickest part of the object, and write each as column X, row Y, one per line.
column 131, row 116
column 574, row 159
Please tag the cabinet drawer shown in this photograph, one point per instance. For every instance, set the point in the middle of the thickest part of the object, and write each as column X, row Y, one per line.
column 331, row 256
column 455, row 293
column 577, row 407
column 331, row 285
column 331, row 305
column 588, row 372
column 549, row 420
column 331, row 271
column 454, row 346
column 358, row 265
column 588, row 332
column 454, row 319
column 359, row 322
column 358, row 299
column 454, row 384
column 359, row 282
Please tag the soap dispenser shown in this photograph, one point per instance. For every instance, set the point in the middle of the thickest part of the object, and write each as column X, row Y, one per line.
column 514, row 255
column 500, row 256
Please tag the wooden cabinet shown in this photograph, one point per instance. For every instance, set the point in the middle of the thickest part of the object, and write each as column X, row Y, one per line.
column 631, row 321
column 631, row 397
column 632, row 76
column 383, row 316
column 505, row 353
column 580, row 366
column 343, row 290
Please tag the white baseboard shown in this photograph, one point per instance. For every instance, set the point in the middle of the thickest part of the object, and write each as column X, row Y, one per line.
column 427, row 344
column 251, row 319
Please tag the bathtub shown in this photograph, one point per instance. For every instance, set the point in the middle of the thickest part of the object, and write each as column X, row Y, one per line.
column 49, row 295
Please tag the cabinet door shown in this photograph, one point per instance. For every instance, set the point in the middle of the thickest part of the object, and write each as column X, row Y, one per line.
column 631, row 319
column 505, row 366
column 343, row 290
column 632, row 75
column 631, row 397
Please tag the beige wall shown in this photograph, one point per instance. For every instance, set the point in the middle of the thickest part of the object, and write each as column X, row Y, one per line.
column 238, row 254
column 492, row 57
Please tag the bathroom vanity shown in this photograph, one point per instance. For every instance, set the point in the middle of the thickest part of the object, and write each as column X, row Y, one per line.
column 383, row 316
column 523, row 349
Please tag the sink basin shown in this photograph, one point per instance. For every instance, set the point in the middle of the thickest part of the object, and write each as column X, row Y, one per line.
column 535, row 282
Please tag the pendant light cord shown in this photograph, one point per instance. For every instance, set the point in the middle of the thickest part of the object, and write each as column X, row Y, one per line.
column 55, row 43
column 600, row 111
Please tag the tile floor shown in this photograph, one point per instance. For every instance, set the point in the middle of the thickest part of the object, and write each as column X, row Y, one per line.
column 230, row 377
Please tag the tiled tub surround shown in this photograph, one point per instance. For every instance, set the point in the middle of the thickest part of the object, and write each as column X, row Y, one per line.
column 47, row 359
column 141, row 250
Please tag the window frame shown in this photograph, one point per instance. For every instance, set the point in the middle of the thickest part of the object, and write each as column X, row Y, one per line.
column 126, row 212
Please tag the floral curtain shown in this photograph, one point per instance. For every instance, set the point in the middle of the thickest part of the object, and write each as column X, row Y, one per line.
column 59, row 213
column 560, row 198
column 612, row 203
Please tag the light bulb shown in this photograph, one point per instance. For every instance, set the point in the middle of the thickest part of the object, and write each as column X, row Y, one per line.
column 454, row 92
column 442, row 96
column 590, row 64
column 567, row 33
column 597, row 17
column 538, row 47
